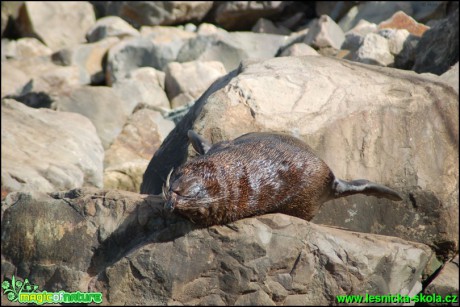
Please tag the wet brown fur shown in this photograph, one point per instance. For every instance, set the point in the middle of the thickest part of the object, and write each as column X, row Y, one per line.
column 255, row 174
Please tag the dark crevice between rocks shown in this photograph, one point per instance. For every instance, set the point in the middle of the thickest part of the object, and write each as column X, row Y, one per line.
column 34, row 99
column 173, row 150
column 429, row 279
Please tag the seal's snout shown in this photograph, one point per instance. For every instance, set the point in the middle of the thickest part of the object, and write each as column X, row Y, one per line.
column 169, row 205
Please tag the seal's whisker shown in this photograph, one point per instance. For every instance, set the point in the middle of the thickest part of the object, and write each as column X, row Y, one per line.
column 164, row 192
column 168, row 178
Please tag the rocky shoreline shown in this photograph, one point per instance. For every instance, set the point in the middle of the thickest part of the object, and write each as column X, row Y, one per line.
column 95, row 94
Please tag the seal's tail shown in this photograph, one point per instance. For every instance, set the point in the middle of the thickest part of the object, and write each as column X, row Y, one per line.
column 343, row 188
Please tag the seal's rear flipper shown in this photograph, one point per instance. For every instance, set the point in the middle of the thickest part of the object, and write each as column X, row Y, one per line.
column 200, row 145
column 344, row 188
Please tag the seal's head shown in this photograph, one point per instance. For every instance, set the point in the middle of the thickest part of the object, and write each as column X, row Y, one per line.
column 192, row 191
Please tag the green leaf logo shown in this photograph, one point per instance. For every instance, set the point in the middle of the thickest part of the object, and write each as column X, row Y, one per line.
column 15, row 287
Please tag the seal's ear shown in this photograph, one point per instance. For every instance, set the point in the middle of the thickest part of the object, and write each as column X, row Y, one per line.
column 200, row 145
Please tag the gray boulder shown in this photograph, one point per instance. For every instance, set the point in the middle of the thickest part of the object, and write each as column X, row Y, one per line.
column 44, row 20
column 102, row 106
column 110, row 26
column 45, row 150
column 230, row 48
column 191, row 78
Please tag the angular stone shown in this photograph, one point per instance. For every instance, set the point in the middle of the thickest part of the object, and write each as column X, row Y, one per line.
column 102, row 106
column 363, row 27
column 88, row 57
column 191, row 78
column 27, row 47
column 143, row 85
column 451, row 77
column 139, row 139
column 13, row 79
column 127, row 158
column 396, row 39
column 446, row 282
column 168, row 42
column 230, row 48
column 324, row 32
column 47, row 87
column 402, row 45
column 379, row 11
column 375, row 50
column 267, row 26
column 299, row 49
column 44, row 20
column 181, row 100
column 45, row 150
column 438, row 48
column 110, row 26
column 401, row 20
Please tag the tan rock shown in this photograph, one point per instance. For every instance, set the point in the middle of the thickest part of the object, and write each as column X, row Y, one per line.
column 45, row 20
column 191, row 78
column 45, row 150
column 388, row 126
column 118, row 236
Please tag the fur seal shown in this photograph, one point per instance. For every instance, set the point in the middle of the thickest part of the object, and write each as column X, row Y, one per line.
column 254, row 174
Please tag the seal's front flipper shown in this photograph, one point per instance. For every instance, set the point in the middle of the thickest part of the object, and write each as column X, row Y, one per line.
column 200, row 145
column 344, row 188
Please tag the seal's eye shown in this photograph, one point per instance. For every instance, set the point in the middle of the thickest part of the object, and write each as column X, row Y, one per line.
column 191, row 187
column 193, row 190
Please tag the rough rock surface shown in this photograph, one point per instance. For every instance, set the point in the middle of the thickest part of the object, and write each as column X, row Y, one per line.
column 110, row 26
column 44, row 20
column 154, row 13
column 237, row 15
column 191, row 78
column 230, row 48
column 446, row 283
column 26, row 47
column 299, row 49
column 378, row 11
column 88, row 57
column 393, row 127
column 438, row 48
column 451, row 77
column 374, row 49
column 45, row 150
column 126, row 159
column 401, row 20
column 324, row 32
column 388, row 126
column 102, row 106
column 144, row 85
column 126, row 247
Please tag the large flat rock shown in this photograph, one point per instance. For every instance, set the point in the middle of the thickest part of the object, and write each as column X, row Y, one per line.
column 45, row 150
